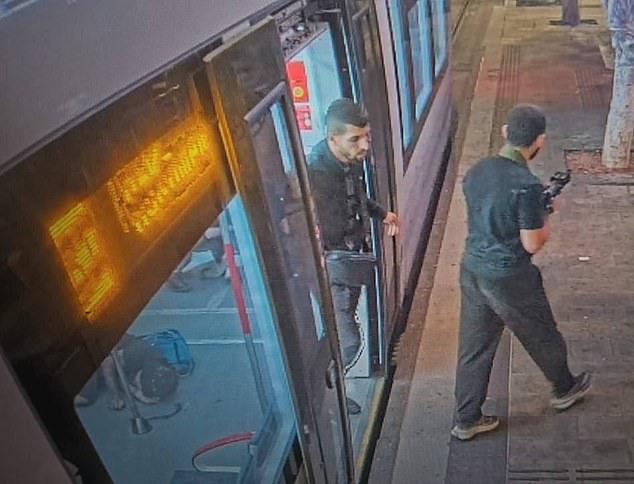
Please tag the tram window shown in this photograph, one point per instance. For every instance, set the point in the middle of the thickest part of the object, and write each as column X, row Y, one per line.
column 418, row 23
column 198, row 378
column 439, row 20
column 414, row 60
column 368, row 51
column 285, row 198
column 93, row 225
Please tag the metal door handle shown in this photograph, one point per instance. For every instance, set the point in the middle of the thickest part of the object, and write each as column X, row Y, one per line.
column 331, row 374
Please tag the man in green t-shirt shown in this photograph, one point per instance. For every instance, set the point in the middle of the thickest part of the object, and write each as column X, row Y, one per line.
column 507, row 223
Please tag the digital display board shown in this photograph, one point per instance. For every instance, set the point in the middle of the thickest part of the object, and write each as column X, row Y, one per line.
column 144, row 194
column 144, row 190
column 85, row 258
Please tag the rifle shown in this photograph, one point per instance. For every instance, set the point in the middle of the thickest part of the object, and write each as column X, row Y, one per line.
column 557, row 183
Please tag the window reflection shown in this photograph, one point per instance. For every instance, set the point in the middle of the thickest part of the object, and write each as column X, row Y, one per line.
column 412, row 36
column 196, row 387
column 439, row 17
column 419, row 32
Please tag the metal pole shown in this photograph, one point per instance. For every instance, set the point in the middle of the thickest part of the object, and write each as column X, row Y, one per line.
column 139, row 424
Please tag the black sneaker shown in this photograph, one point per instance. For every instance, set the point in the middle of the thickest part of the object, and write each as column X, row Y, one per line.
column 579, row 389
column 353, row 407
column 467, row 432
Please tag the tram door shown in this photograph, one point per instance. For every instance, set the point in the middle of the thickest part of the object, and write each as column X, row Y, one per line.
column 372, row 92
column 253, row 99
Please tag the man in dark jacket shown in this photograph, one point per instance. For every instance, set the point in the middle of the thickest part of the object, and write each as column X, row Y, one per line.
column 343, row 209
column 508, row 223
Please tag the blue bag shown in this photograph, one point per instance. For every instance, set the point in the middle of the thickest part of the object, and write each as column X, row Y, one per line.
column 171, row 344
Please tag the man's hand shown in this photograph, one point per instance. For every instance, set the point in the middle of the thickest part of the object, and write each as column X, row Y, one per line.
column 557, row 204
column 391, row 220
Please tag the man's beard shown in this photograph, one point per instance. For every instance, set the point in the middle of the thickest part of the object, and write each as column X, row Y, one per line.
column 360, row 158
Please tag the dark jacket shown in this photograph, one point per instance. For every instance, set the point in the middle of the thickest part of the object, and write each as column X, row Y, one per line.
column 339, row 194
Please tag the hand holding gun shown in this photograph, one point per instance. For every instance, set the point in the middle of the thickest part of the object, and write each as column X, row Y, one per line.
column 557, row 183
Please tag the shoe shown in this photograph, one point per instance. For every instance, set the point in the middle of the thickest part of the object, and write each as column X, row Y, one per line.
column 214, row 270
column 353, row 407
column 177, row 283
column 467, row 432
column 576, row 393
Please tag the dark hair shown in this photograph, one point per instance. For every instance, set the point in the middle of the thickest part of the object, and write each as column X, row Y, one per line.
column 525, row 123
column 344, row 111
column 158, row 379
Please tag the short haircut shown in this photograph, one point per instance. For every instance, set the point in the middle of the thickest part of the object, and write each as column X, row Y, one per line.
column 525, row 123
column 158, row 379
column 342, row 112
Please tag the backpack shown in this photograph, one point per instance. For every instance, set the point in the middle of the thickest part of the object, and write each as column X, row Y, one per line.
column 173, row 347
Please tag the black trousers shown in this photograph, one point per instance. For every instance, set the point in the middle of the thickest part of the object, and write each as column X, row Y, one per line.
column 488, row 304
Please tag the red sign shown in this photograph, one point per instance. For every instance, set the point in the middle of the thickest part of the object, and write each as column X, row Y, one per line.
column 296, row 71
column 304, row 119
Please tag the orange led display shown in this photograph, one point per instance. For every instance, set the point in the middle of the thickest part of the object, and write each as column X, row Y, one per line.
column 84, row 258
column 144, row 191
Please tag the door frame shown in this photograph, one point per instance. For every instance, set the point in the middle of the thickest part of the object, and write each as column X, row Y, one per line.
column 264, row 38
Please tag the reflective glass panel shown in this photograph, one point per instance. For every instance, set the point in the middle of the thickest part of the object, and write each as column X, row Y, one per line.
column 421, row 54
column 315, row 84
column 401, row 49
column 196, row 388
column 439, row 20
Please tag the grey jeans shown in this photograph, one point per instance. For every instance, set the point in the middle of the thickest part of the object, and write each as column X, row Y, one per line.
column 345, row 300
column 488, row 304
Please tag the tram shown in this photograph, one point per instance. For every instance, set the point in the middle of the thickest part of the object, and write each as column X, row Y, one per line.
column 154, row 199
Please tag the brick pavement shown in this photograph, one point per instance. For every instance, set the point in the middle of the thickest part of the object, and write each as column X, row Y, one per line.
column 529, row 60
column 593, row 300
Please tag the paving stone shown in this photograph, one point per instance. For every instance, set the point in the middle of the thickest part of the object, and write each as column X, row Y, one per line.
column 562, row 425
column 601, row 427
column 557, row 453
column 593, row 300
column 589, row 348
column 529, row 384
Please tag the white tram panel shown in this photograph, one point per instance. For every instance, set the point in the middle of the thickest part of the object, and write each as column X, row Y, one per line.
column 60, row 59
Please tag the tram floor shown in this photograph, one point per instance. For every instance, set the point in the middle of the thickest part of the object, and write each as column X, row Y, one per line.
column 230, row 392
column 362, row 390
column 218, row 401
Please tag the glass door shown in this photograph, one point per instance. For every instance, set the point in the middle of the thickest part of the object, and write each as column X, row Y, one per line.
column 249, row 85
column 195, row 390
column 317, row 78
column 371, row 79
column 136, row 309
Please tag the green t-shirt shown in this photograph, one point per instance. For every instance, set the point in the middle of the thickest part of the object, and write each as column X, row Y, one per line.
column 502, row 196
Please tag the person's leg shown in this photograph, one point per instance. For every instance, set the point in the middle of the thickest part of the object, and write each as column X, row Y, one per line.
column 345, row 300
column 522, row 303
column 91, row 391
column 480, row 332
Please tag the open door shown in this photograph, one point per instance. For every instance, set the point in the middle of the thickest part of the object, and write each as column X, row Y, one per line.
column 252, row 95
column 373, row 94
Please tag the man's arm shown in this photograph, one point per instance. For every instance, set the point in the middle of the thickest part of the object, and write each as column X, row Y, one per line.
column 374, row 209
column 534, row 240
column 110, row 376
column 388, row 218
column 532, row 218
